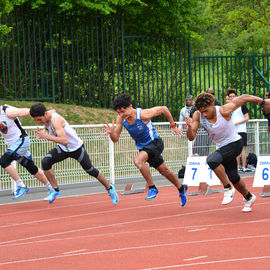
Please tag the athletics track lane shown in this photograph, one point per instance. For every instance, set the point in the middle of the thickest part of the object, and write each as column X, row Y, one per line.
column 89, row 232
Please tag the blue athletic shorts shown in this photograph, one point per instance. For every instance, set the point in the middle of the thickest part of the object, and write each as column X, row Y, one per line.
column 20, row 148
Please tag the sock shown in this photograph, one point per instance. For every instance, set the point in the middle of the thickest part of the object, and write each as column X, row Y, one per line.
column 248, row 196
column 57, row 189
column 20, row 183
column 181, row 189
column 109, row 188
column 152, row 187
column 49, row 186
column 228, row 186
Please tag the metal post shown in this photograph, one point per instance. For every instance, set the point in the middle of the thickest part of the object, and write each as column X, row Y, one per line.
column 13, row 183
column 190, row 144
column 123, row 55
column 257, row 139
column 51, row 51
column 111, row 154
column 190, row 68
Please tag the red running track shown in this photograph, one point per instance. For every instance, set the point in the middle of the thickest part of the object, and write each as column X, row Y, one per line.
column 89, row 232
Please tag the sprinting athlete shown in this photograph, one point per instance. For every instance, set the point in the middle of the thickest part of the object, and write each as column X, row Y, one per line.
column 139, row 125
column 217, row 121
column 69, row 146
column 18, row 144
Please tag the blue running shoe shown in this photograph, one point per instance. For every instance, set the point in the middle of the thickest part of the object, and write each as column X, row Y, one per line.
column 52, row 196
column 183, row 196
column 20, row 192
column 112, row 193
column 152, row 194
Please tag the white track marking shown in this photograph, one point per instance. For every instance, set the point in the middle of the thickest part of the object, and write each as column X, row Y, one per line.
column 142, row 247
column 196, row 230
column 54, row 206
column 109, row 234
column 209, row 262
column 74, row 251
column 132, row 222
column 195, row 258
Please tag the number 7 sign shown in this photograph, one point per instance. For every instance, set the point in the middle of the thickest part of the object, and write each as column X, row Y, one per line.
column 197, row 171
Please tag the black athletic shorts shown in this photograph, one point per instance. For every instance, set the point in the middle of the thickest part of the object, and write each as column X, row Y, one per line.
column 229, row 153
column 154, row 150
column 244, row 137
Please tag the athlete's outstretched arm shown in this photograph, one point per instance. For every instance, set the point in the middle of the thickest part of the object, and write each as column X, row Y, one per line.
column 228, row 108
column 148, row 114
column 114, row 132
column 12, row 113
column 193, row 125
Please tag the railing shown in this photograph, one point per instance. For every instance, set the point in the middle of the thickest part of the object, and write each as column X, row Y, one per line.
column 116, row 160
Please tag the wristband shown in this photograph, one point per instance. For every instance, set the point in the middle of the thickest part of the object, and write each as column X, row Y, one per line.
column 173, row 125
column 263, row 101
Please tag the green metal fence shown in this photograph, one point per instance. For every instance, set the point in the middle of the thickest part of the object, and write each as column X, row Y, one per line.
column 89, row 60
column 247, row 74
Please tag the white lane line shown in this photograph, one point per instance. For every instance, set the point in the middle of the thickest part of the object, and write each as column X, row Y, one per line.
column 209, row 262
column 55, row 206
column 16, row 241
column 196, row 230
column 74, row 251
column 126, row 209
column 136, row 248
column 108, row 234
column 195, row 258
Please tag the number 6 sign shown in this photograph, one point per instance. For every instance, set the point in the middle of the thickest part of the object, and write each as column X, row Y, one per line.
column 262, row 174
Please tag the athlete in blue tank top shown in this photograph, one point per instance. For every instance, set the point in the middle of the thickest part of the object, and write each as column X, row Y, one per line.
column 142, row 133
column 138, row 124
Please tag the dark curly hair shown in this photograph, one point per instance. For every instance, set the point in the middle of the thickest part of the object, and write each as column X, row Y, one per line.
column 204, row 100
column 122, row 101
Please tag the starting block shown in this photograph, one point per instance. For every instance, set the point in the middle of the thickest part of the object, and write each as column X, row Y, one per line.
column 262, row 175
column 265, row 192
column 197, row 170
column 204, row 189
column 129, row 189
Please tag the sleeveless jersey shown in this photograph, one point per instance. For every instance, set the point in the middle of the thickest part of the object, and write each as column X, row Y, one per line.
column 239, row 115
column 10, row 129
column 141, row 133
column 74, row 141
column 222, row 132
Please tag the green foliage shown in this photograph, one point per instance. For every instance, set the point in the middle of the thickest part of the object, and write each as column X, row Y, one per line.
column 241, row 26
column 163, row 17
column 5, row 7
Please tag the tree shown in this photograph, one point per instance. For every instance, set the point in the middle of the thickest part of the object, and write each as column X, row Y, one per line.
column 5, row 7
column 243, row 26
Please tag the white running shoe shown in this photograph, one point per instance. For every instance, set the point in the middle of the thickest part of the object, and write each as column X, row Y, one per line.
column 248, row 204
column 228, row 195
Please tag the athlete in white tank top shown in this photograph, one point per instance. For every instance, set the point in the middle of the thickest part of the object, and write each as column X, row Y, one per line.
column 218, row 123
column 222, row 132
column 11, row 129
column 74, row 141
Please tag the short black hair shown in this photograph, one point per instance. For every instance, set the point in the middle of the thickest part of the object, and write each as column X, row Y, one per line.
column 231, row 91
column 37, row 109
column 204, row 100
column 122, row 101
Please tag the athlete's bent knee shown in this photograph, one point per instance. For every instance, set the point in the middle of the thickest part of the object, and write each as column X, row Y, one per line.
column 29, row 165
column 137, row 163
column 5, row 160
column 46, row 163
column 214, row 160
